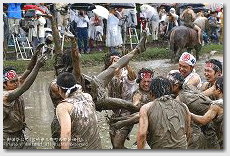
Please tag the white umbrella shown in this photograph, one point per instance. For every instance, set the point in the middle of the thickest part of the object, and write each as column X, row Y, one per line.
column 101, row 11
column 213, row 6
column 148, row 10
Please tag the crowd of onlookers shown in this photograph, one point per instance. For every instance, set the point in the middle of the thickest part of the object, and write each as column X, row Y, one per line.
column 94, row 32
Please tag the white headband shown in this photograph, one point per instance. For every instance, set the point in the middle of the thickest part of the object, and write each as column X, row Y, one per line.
column 69, row 89
column 188, row 58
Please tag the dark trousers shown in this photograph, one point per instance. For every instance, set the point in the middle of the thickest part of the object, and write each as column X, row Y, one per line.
column 82, row 36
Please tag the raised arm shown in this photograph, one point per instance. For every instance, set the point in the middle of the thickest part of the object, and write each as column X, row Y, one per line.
column 76, row 60
column 31, row 63
column 137, row 99
column 28, row 81
column 108, row 74
column 131, row 73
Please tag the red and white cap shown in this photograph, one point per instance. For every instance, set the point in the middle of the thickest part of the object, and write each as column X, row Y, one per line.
column 188, row 58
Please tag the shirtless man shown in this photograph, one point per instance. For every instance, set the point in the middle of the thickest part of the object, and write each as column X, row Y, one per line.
column 188, row 16
column 95, row 85
column 163, row 133
column 122, row 86
column 67, row 62
column 13, row 104
column 202, row 137
column 140, row 97
column 212, row 70
column 215, row 112
column 186, row 67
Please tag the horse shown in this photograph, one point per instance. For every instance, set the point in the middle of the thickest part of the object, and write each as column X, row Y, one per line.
column 181, row 38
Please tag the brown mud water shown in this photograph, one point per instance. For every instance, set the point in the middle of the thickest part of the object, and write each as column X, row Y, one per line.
column 39, row 108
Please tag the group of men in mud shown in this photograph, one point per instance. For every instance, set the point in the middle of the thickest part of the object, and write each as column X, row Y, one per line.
column 173, row 112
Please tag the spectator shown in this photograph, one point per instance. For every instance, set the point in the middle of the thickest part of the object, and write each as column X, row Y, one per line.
column 47, row 11
column 221, row 21
column 188, row 16
column 113, row 34
column 38, row 32
column 171, row 19
column 82, row 21
column 14, row 15
column 213, row 27
column 6, row 29
column 95, row 32
column 202, row 22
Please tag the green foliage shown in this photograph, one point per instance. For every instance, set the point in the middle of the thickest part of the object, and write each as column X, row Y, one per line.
column 97, row 58
column 153, row 54
column 92, row 59
column 21, row 65
column 210, row 47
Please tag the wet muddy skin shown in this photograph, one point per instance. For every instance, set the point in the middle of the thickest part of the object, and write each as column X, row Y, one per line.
column 39, row 108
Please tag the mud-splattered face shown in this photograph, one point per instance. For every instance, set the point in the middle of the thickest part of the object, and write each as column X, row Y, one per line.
column 11, row 84
column 11, row 81
column 210, row 74
column 145, row 83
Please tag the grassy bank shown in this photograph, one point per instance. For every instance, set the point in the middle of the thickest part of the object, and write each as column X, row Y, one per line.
column 97, row 58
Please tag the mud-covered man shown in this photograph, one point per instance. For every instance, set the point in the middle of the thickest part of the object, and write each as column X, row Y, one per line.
column 13, row 104
column 164, row 123
column 76, row 115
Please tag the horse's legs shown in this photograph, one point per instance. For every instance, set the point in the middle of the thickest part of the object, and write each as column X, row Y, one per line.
column 197, row 50
column 154, row 30
column 178, row 54
column 172, row 52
